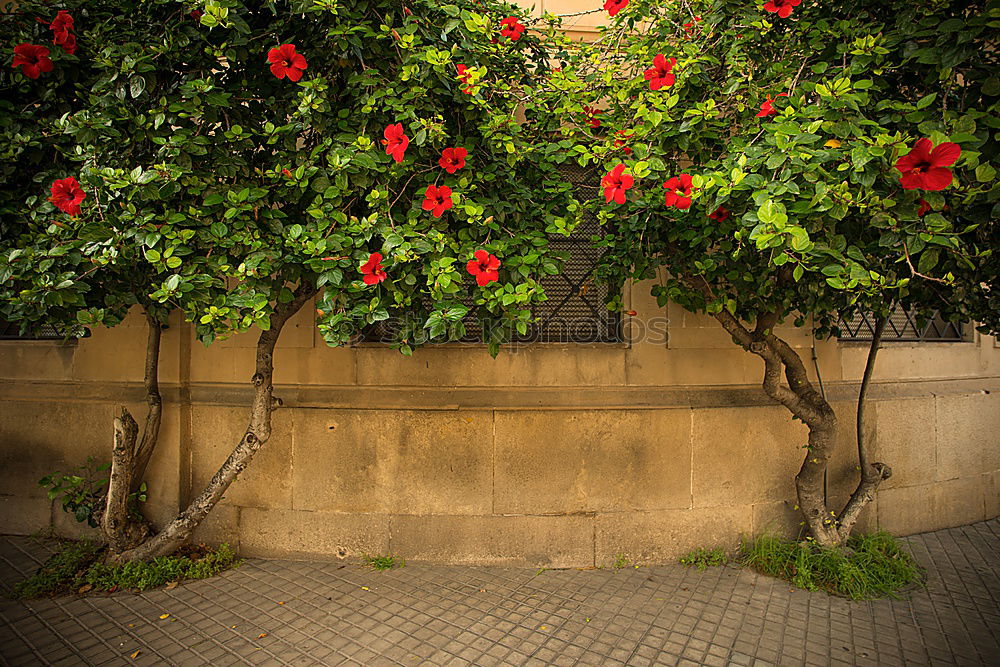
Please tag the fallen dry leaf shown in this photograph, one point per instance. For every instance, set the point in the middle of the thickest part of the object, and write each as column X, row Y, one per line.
column 281, row 603
column 163, row 616
column 172, row 585
column 365, row 588
column 84, row 589
column 135, row 655
column 262, row 635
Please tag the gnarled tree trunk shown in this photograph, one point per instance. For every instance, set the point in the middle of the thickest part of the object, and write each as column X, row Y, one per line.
column 828, row 528
column 123, row 527
column 258, row 431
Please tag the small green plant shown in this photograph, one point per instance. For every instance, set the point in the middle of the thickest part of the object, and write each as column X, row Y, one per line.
column 869, row 566
column 78, row 565
column 621, row 561
column 703, row 559
column 82, row 489
column 83, row 494
column 62, row 567
column 386, row 562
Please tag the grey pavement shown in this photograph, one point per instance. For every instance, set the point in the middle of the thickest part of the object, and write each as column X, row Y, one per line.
column 277, row 612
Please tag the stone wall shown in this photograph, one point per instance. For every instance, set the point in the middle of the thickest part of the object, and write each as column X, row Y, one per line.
column 550, row 455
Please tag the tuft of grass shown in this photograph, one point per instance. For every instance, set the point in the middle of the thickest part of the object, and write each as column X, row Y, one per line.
column 867, row 567
column 64, row 566
column 382, row 563
column 703, row 559
column 78, row 565
column 621, row 561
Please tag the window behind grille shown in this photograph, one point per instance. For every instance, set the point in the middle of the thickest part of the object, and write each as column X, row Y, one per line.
column 12, row 331
column 575, row 311
column 903, row 327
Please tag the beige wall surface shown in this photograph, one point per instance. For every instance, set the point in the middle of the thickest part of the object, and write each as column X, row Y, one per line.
column 550, row 455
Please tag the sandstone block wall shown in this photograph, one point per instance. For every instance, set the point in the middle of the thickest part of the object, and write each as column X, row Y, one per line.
column 550, row 455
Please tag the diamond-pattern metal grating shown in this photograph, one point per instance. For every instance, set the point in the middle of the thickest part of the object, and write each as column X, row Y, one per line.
column 12, row 331
column 903, row 327
column 575, row 311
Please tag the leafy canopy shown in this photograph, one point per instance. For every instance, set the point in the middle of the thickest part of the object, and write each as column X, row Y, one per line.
column 760, row 144
column 221, row 170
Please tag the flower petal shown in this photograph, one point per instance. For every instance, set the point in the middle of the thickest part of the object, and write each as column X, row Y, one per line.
column 945, row 154
column 936, row 178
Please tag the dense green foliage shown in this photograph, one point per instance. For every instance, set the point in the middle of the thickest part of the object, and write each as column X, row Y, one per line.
column 77, row 565
column 703, row 558
column 213, row 186
column 815, row 220
column 869, row 566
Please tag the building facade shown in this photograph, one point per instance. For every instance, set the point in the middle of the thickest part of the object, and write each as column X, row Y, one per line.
column 641, row 435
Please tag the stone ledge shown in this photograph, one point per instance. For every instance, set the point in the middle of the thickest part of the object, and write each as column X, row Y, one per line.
column 635, row 397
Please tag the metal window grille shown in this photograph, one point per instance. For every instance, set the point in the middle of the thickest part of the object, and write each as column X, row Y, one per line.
column 575, row 311
column 902, row 326
column 12, row 331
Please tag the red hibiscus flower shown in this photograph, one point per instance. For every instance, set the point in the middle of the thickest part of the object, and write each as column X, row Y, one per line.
column 285, row 62
column 372, row 270
column 395, row 142
column 720, row 214
column 678, row 191
column 453, row 159
column 620, row 143
column 437, row 199
column 924, row 167
column 512, row 28
column 661, row 73
column 32, row 59
column 484, row 267
column 591, row 113
column 924, row 208
column 782, row 7
column 67, row 195
column 615, row 6
column 62, row 32
column 69, row 44
column 615, row 183
column 463, row 76
column 690, row 25
column 767, row 108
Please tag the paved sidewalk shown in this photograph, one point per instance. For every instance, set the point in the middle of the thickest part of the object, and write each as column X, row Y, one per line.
column 304, row 613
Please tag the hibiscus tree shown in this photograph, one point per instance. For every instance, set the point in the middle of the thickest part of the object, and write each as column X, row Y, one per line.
column 232, row 162
column 871, row 183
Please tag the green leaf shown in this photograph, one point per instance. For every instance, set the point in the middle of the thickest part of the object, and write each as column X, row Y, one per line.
column 136, row 85
column 985, row 173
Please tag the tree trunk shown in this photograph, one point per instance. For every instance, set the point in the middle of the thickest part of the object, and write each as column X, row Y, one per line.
column 807, row 404
column 874, row 474
column 178, row 531
column 123, row 526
